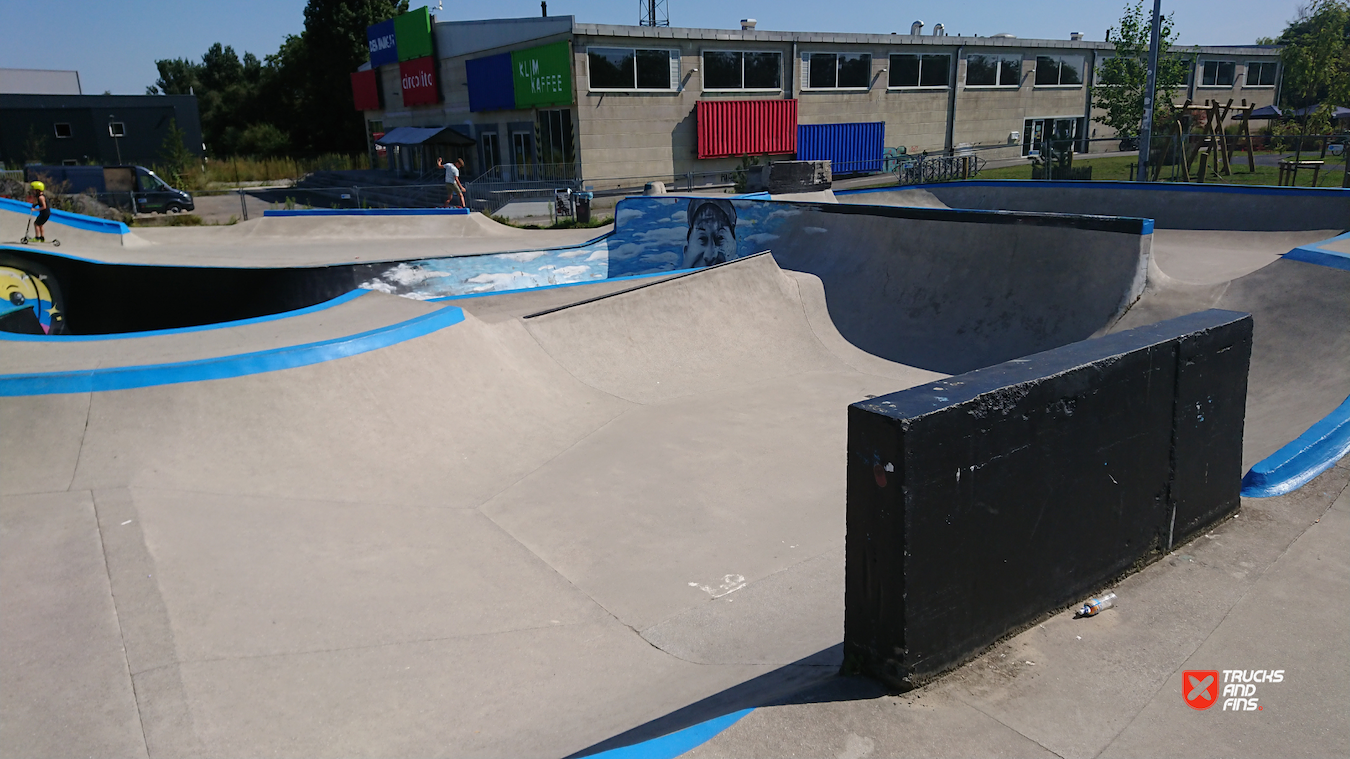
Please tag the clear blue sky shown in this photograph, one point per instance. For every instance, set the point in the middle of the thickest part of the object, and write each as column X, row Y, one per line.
column 114, row 43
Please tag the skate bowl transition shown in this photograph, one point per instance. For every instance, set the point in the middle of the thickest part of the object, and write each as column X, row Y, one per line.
column 294, row 489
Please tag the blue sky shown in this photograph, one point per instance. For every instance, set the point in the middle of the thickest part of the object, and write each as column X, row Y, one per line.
column 114, row 43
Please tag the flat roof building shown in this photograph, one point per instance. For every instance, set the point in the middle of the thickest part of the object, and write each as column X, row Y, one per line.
column 601, row 102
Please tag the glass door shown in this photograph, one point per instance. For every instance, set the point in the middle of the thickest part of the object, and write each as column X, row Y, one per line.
column 491, row 158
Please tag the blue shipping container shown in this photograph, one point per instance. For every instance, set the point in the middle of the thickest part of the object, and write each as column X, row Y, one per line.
column 850, row 148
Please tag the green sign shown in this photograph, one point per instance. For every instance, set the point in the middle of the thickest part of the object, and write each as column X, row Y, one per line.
column 412, row 31
column 542, row 75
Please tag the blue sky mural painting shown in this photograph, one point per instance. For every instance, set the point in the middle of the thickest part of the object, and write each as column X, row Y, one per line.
column 496, row 272
column 652, row 235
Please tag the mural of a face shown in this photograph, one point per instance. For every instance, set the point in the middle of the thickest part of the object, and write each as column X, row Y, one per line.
column 712, row 233
column 20, row 290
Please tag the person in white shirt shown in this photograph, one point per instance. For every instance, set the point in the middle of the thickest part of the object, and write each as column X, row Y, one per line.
column 452, row 183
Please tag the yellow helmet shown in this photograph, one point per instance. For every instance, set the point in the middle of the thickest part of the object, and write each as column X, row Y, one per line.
column 37, row 185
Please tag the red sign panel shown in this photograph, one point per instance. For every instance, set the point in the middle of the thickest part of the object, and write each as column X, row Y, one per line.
column 366, row 91
column 1200, row 687
column 418, row 78
column 746, row 127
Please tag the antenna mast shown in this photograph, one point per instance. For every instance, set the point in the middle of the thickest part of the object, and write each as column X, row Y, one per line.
column 653, row 13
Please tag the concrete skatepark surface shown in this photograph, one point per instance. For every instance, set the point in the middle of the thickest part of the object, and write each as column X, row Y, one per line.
column 592, row 515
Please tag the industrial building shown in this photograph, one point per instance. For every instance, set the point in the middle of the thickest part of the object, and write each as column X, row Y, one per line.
column 46, row 118
column 553, row 97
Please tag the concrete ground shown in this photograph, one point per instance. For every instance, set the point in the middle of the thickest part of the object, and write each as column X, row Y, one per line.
column 572, row 522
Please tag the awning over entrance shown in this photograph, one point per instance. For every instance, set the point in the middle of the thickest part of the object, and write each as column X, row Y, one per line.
column 424, row 136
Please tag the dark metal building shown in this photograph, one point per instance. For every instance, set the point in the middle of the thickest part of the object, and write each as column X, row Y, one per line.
column 97, row 129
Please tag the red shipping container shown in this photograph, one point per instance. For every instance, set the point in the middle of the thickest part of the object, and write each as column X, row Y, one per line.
column 746, row 127
column 366, row 91
column 418, row 78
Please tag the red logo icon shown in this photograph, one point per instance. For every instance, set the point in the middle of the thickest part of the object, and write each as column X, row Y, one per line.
column 1200, row 687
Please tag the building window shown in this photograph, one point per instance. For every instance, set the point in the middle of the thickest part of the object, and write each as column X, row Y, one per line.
column 621, row 68
column 732, row 70
column 1261, row 74
column 839, row 71
column 919, row 70
column 1055, row 70
column 117, row 129
column 62, row 131
column 1217, row 73
column 555, row 137
column 1064, row 133
column 987, row 70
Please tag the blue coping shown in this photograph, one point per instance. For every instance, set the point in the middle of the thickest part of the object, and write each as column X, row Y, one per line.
column 222, row 367
column 1307, row 456
column 346, row 297
column 1081, row 184
column 565, row 284
column 75, row 220
column 676, row 743
column 1313, row 253
column 369, row 212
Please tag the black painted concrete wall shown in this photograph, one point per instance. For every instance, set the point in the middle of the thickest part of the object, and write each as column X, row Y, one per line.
column 978, row 503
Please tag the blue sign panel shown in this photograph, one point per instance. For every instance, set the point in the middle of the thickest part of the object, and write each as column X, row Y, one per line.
column 491, row 85
column 383, row 48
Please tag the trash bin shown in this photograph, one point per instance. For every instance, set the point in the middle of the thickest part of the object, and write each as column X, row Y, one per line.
column 584, row 207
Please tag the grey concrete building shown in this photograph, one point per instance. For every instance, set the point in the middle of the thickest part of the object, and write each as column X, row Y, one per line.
column 632, row 105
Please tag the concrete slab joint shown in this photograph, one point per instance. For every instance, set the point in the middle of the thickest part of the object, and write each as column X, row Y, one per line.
column 978, row 504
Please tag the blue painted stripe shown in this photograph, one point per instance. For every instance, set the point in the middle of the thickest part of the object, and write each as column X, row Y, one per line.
column 676, row 743
column 1138, row 186
column 339, row 300
column 1316, row 254
column 223, row 367
column 1296, row 464
column 75, row 220
column 565, row 284
column 368, row 212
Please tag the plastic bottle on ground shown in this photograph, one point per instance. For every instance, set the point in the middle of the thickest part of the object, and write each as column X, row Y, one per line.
column 1097, row 605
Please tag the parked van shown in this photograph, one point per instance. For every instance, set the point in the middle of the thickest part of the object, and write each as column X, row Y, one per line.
column 119, row 186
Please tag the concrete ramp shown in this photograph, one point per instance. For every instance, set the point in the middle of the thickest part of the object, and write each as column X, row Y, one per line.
column 431, row 225
column 1299, row 372
column 727, row 326
column 74, row 231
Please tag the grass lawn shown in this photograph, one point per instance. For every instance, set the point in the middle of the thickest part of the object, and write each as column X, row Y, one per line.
column 1118, row 169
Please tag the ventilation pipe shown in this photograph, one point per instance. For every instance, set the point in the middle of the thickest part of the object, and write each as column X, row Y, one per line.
column 748, row 24
column 939, row 30
column 916, row 28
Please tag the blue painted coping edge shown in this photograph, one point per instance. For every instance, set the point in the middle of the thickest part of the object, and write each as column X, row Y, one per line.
column 75, row 220
column 339, row 300
column 1307, row 456
column 1315, row 254
column 223, row 367
column 369, row 212
column 555, row 287
column 1081, row 184
column 676, row 743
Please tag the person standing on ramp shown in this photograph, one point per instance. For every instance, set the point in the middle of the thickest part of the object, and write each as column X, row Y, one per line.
column 39, row 201
column 452, row 183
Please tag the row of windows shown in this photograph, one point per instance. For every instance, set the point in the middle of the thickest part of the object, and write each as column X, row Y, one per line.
column 62, row 129
column 639, row 69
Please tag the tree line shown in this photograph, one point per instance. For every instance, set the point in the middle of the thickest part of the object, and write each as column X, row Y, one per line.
column 294, row 102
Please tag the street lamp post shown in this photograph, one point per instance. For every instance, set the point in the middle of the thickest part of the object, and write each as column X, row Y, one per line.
column 1150, row 93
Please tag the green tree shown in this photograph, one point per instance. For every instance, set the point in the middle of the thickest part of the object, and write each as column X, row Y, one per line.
column 1123, row 77
column 334, row 45
column 175, row 159
column 1316, row 63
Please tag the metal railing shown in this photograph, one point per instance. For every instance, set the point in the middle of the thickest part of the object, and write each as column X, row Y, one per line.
column 925, row 169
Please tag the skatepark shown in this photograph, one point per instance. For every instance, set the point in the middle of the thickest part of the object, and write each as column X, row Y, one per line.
column 382, row 484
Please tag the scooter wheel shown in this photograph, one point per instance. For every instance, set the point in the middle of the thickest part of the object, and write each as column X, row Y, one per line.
column 23, row 240
column 56, row 243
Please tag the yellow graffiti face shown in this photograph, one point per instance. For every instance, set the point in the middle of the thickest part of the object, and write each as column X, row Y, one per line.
column 20, row 289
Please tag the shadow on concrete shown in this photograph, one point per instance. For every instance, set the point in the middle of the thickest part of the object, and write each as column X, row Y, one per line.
column 812, row 680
